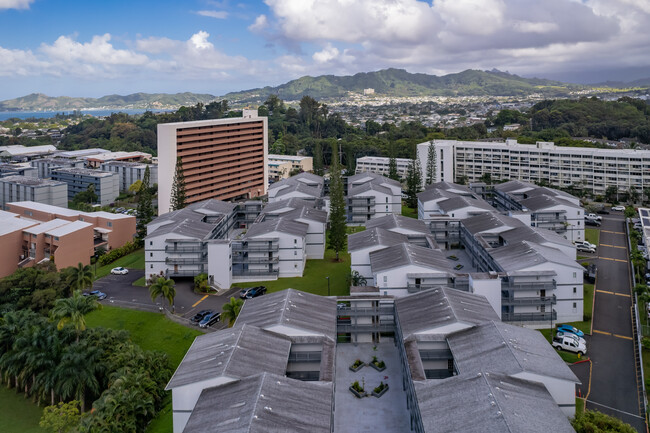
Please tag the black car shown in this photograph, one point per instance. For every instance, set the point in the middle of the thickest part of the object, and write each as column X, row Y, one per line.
column 255, row 292
column 590, row 222
column 244, row 292
column 210, row 320
column 200, row 315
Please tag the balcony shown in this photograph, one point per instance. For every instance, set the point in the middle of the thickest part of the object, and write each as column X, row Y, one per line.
column 185, row 260
column 435, row 354
column 183, row 249
column 530, row 285
column 183, row 273
column 364, row 311
column 529, row 300
column 255, row 247
column 529, row 317
column 239, row 259
column 256, row 272
column 369, row 327
column 413, row 288
column 304, row 356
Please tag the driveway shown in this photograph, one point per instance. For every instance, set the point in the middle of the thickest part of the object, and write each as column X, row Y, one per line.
column 613, row 388
column 120, row 291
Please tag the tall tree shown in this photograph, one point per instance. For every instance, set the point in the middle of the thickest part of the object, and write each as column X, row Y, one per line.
column 392, row 169
column 77, row 372
column 318, row 158
column 413, row 183
column 230, row 310
column 145, row 207
column 62, row 418
column 178, row 187
column 164, row 288
column 337, row 232
column 431, row 164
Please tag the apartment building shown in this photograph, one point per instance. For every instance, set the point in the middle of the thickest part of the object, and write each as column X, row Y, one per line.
column 372, row 196
column 591, row 169
column 281, row 166
column 223, row 159
column 131, row 172
column 109, row 230
column 27, row 188
column 380, row 165
column 96, row 160
column 20, row 152
column 17, row 169
column 284, row 363
column 107, row 185
column 44, row 166
column 305, row 186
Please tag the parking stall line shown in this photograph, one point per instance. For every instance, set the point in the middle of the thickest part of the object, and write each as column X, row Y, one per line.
column 605, row 291
column 613, row 260
column 602, row 332
column 199, row 301
column 616, row 233
column 612, row 246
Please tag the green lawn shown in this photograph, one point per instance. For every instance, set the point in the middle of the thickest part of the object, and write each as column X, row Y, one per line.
column 17, row 414
column 140, row 282
column 314, row 277
column 135, row 260
column 592, row 235
column 409, row 212
column 150, row 331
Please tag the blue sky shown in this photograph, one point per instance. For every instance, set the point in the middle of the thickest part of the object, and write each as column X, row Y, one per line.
column 93, row 48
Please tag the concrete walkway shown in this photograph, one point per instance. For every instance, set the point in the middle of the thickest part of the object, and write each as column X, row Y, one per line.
column 369, row 414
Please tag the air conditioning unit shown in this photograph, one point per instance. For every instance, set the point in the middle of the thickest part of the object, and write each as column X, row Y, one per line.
column 22, row 257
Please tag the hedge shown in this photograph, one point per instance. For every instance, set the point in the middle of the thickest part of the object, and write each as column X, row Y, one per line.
column 116, row 253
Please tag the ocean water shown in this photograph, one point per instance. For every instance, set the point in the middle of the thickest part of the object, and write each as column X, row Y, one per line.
column 4, row 115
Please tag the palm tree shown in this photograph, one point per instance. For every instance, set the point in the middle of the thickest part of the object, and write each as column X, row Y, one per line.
column 231, row 310
column 164, row 288
column 77, row 372
column 73, row 310
column 81, row 277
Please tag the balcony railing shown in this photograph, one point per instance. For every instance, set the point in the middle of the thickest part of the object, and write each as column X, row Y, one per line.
column 257, row 272
column 186, row 261
column 183, row 273
column 530, row 285
column 364, row 311
column 435, row 354
column 239, row 259
column 304, row 357
column 529, row 300
column 529, row 317
column 369, row 327
column 255, row 247
column 183, row 249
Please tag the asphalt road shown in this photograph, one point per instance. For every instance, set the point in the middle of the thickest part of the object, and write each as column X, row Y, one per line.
column 120, row 291
column 613, row 388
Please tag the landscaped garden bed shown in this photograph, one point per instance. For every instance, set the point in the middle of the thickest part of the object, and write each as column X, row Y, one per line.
column 358, row 390
column 380, row 390
column 377, row 365
column 357, row 365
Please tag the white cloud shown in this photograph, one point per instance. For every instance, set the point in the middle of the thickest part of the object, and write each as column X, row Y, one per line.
column 199, row 41
column 259, row 25
column 222, row 15
column 15, row 4
column 327, row 54
column 97, row 51
column 19, row 62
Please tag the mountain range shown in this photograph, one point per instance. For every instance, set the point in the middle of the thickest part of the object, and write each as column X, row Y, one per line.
column 386, row 82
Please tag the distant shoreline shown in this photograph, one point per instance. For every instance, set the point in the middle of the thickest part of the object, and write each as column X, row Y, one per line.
column 98, row 112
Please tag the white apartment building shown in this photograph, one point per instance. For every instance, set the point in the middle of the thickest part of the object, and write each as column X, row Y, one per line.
column 589, row 168
column 372, row 196
column 304, row 186
column 131, row 172
column 380, row 165
column 24, row 188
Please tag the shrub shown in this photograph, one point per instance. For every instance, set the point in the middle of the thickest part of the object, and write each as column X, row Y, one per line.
column 116, row 253
column 380, row 388
column 357, row 387
column 357, row 363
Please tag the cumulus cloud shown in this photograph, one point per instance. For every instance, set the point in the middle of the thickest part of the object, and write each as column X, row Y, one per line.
column 98, row 51
column 15, row 4
column 259, row 25
column 328, row 53
column 222, row 15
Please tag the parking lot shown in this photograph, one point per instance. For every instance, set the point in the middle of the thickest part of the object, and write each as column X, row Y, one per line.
column 121, row 292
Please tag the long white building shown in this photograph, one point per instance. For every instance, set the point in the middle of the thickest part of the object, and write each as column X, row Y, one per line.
column 381, row 165
column 589, row 168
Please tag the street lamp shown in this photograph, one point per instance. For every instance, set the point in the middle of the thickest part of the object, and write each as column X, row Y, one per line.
column 328, row 286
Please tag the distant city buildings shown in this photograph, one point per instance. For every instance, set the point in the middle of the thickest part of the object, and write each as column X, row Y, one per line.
column 106, row 184
column 131, row 172
column 381, row 165
column 223, row 159
column 27, row 188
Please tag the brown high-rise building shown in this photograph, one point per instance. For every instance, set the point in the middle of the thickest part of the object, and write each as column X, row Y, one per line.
column 224, row 159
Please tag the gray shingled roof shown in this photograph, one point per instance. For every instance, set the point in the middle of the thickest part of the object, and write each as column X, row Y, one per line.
column 294, row 202
column 451, row 187
column 187, row 227
column 302, row 188
column 533, row 234
column 541, row 202
column 265, row 403
column 372, row 177
column 488, row 402
column 393, row 221
column 292, row 308
column 234, row 352
column 374, row 237
column 407, row 254
column 501, row 348
column 460, row 202
column 432, row 194
column 489, row 221
column 369, row 186
column 432, row 308
column 554, row 193
column 281, row 225
column 524, row 254
column 515, row 185
column 306, row 213
column 302, row 179
column 212, row 207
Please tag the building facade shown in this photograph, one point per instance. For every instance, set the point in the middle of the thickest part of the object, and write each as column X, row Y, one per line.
column 131, row 172
column 281, row 166
column 23, row 188
column 107, row 185
column 381, row 165
column 224, row 159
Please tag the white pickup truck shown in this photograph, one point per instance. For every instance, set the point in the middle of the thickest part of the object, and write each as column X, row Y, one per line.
column 569, row 344
column 593, row 216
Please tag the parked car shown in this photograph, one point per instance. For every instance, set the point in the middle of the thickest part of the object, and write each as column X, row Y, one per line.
column 209, row 320
column 586, row 244
column 572, row 329
column 569, row 344
column 119, row 271
column 200, row 316
column 572, row 335
column 255, row 292
column 593, row 216
column 594, row 223
column 100, row 295
column 618, row 208
column 602, row 211
column 244, row 292
column 585, row 249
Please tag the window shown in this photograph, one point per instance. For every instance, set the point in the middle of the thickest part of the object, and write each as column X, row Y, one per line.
column 150, row 242
column 575, row 290
column 150, row 254
column 295, row 241
column 295, row 253
column 575, row 305
column 109, row 224
column 574, row 275
column 385, row 279
column 151, row 266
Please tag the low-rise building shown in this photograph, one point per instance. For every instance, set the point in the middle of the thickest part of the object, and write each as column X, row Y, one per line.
column 17, row 169
column 131, row 172
column 281, row 166
column 44, row 166
column 372, row 196
column 24, row 188
column 107, row 185
column 306, row 186
column 96, row 160
column 18, row 151
column 381, row 165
